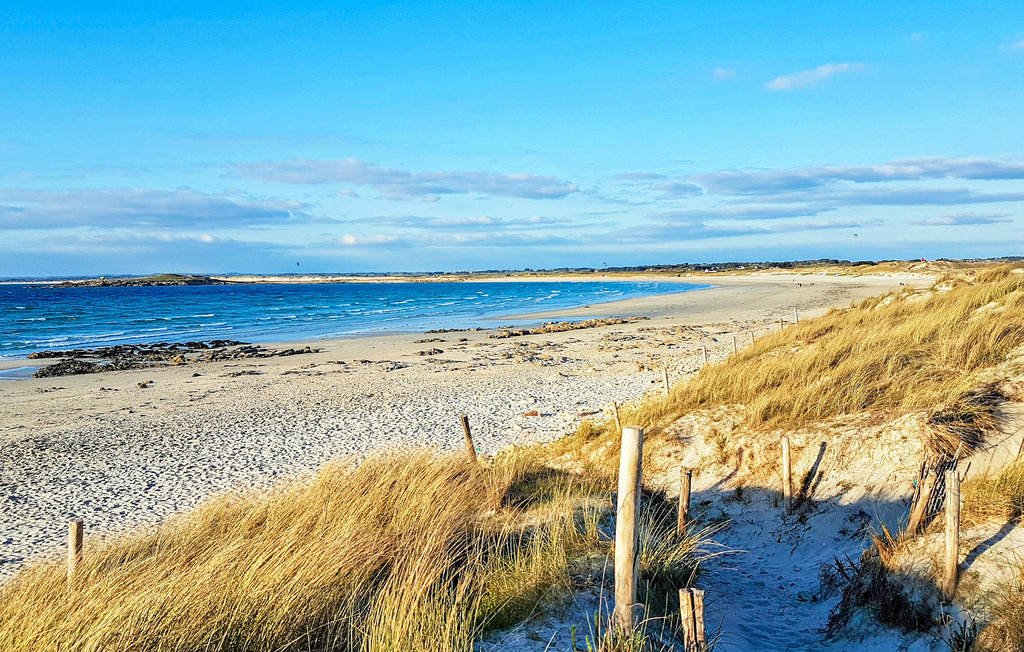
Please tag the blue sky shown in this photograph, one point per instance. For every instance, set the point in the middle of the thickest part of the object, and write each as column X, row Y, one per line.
column 407, row 137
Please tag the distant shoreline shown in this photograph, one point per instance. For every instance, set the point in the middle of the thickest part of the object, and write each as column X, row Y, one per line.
column 585, row 310
column 724, row 298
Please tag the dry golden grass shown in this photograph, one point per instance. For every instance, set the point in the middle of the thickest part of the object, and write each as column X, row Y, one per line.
column 996, row 497
column 999, row 498
column 1005, row 631
column 905, row 351
column 412, row 552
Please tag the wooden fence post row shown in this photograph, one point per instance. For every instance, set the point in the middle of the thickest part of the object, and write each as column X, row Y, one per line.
column 626, row 531
column 691, row 612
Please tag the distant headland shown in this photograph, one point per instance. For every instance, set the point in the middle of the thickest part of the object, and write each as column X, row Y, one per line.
column 157, row 279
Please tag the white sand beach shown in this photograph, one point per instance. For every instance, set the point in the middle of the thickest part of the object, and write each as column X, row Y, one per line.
column 101, row 448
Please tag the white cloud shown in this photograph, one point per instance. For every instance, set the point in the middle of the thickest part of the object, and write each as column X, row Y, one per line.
column 738, row 213
column 679, row 189
column 138, row 207
column 750, row 182
column 372, row 239
column 395, row 183
column 806, row 78
column 963, row 219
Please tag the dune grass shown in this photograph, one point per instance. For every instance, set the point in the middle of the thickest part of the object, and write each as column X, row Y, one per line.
column 905, row 351
column 995, row 497
column 411, row 552
column 1005, row 631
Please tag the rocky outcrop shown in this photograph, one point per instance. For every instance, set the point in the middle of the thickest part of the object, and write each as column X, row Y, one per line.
column 159, row 279
column 559, row 326
column 142, row 356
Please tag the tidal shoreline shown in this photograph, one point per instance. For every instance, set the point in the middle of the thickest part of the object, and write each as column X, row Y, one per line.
column 123, row 449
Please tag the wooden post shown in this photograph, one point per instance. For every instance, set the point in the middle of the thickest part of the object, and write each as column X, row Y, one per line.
column 698, row 618
column 751, row 337
column 615, row 413
column 780, row 324
column 685, row 478
column 687, row 620
column 796, row 316
column 919, row 510
column 787, row 478
column 664, row 377
column 705, row 350
column 952, row 567
column 75, row 537
column 470, row 448
column 734, row 344
column 691, row 617
column 630, row 460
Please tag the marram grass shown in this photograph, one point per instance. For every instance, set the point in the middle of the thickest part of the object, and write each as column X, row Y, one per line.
column 905, row 351
column 409, row 552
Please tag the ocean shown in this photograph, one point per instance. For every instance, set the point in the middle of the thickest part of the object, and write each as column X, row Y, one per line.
column 34, row 317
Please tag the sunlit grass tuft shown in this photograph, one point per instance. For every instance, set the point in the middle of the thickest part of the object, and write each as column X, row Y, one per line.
column 408, row 552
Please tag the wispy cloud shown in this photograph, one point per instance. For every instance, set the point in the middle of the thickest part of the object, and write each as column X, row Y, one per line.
column 963, row 219
column 456, row 239
column 876, row 196
column 699, row 230
column 482, row 222
column 394, row 183
column 723, row 73
column 107, row 208
column 739, row 213
column 1017, row 45
column 806, row 78
column 773, row 181
column 639, row 176
column 679, row 189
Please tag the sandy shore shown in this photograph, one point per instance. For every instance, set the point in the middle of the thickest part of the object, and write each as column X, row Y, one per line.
column 102, row 448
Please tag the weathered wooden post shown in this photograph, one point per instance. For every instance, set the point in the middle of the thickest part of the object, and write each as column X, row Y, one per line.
column 626, row 517
column 705, row 350
column 664, row 378
column 796, row 316
column 751, row 337
column 75, row 540
column 698, row 619
column 780, row 324
column 470, row 448
column 615, row 413
column 687, row 620
column 951, row 570
column 685, row 479
column 787, row 478
column 734, row 344
column 691, row 616
column 919, row 510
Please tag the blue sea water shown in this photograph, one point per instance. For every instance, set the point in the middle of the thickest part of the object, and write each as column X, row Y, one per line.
column 34, row 317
